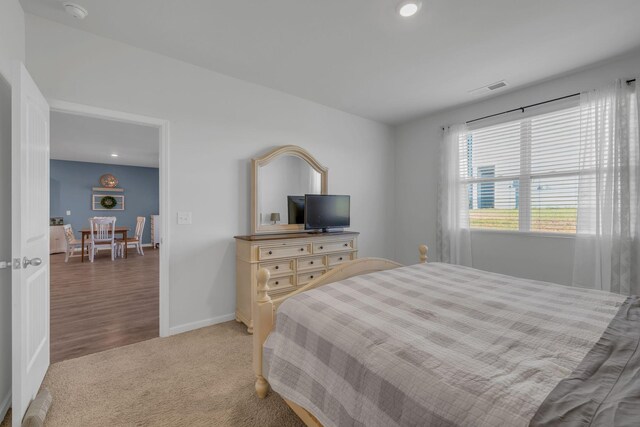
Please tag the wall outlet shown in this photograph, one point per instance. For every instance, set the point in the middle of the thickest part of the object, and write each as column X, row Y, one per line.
column 68, row 213
column 184, row 217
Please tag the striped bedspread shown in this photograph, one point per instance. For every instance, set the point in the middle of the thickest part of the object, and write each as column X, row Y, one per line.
column 432, row 344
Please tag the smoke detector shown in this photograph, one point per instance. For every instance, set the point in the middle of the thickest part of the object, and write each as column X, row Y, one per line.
column 75, row 10
column 489, row 88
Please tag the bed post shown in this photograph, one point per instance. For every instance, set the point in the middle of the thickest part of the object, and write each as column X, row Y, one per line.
column 262, row 325
column 423, row 253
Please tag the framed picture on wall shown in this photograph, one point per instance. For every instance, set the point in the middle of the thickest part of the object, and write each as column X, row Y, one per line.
column 107, row 202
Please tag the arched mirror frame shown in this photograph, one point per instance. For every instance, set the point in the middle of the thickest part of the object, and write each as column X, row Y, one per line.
column 287, row 150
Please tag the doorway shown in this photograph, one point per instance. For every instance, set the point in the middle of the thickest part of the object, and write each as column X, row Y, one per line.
column 106, row 164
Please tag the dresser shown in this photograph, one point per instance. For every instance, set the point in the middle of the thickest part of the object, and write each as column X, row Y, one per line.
column 155, row 231
column 57, row 240
column 293, row 259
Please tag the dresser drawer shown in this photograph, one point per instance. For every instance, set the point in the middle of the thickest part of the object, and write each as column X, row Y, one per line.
column 273, row 252
column 322, row 248
column 305, row 278
column 337, row 259
column 276, row 268
column 280, row 284
column 310, row 263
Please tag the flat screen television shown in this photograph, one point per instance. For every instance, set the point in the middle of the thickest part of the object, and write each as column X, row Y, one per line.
column 295, row 207
column 326, row 211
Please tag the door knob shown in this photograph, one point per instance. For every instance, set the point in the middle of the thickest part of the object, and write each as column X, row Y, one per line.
column 26, row 262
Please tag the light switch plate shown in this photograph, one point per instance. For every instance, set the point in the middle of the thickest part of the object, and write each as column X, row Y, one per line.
column 184, row 217
column 68, row 213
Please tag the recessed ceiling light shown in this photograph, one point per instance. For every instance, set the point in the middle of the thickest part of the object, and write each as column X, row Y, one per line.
column 75, row 10
column 114, row 155
column 407, row 8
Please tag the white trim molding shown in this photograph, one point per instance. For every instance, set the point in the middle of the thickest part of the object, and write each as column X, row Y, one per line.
column 163, row 127
column 186, row 327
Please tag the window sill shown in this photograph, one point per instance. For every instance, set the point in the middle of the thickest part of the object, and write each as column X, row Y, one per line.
column 523, row 233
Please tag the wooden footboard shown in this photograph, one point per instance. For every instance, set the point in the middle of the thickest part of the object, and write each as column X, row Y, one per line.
column 264, row 309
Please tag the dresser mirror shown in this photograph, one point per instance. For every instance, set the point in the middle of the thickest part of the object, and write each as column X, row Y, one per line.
column 281, row 178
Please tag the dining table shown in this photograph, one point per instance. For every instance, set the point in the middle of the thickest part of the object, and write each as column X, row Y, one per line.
column 86, row 232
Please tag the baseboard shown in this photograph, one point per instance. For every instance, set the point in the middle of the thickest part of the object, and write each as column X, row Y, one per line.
column 200, row 324
column 5, row 405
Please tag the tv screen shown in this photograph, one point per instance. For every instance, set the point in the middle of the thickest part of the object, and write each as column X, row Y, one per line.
column 295, row 205
column 322, row 211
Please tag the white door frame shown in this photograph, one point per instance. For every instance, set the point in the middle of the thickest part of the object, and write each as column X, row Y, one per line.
column 163, row 126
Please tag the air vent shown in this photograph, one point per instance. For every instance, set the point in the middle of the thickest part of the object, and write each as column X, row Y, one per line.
column 489, row 88
column 497, row 85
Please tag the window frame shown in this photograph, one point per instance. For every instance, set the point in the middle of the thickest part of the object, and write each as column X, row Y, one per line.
column 525, row 178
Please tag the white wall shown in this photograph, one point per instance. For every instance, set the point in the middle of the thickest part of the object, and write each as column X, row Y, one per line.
column 217, row 124
column 12, row 42
column 12, row 34
column 417, row 169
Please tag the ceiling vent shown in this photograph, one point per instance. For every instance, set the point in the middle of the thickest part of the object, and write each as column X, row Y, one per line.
column 489, row 88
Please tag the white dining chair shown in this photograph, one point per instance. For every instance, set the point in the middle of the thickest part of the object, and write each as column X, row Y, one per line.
column 103, row 231
column 72, row 242
column 136, row 240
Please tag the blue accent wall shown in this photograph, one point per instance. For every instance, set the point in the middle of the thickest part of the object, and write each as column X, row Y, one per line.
column 71, row 189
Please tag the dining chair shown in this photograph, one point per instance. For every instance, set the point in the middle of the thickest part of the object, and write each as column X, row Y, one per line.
column 102, row 236
column 136, row 240
column 72, row 242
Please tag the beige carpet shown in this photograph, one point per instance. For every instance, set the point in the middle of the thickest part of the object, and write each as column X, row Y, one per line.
column 200, row 378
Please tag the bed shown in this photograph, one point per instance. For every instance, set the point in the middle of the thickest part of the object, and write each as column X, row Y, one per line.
column 374, row 343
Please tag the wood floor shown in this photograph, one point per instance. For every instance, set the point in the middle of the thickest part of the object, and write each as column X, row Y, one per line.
column 105, row 304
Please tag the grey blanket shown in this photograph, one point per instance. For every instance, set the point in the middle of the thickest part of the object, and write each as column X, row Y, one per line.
column 432, row 345
column 605, row 388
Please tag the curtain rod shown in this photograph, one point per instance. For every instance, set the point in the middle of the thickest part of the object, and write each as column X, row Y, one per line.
column 531, row 105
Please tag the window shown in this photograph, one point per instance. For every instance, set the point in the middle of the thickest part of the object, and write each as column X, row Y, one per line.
column 523, row 175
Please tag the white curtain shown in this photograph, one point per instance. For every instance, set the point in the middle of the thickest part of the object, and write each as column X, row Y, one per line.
column 607, row 251
column 453, row 234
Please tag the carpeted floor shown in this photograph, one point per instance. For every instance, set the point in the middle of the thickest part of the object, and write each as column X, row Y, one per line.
column 199, row 378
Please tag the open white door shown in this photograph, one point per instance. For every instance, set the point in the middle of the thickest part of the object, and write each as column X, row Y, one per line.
column 29, row 240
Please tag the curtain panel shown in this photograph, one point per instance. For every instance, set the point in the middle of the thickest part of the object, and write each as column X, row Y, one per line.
column 453, row 237
column 607, row 248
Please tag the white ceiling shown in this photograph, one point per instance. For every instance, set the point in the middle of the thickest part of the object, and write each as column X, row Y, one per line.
column 87, row 139
column 359, row 55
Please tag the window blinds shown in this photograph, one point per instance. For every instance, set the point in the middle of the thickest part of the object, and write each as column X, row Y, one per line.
column 522, row 175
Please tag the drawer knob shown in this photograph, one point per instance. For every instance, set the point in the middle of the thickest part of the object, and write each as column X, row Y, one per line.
column 277, row 283
column 346, row 244
column 301, row 249
column 277, row 266
column 270, row 252
column 311, row 277
column 340, row 259
column 311, row 262
column 321, row 247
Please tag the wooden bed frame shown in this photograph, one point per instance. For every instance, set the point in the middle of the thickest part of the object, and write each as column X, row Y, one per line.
column 264, row 313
